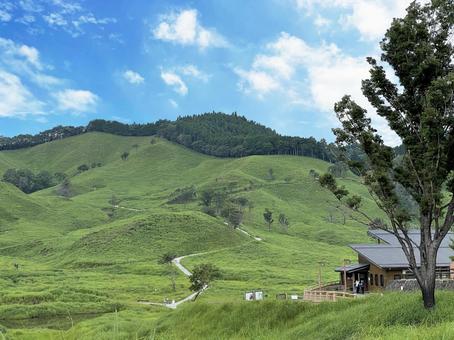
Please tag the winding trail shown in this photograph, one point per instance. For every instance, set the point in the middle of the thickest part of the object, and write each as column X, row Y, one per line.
column 177, row 262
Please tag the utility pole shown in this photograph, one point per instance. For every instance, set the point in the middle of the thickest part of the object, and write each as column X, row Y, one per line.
column 320, row 265
column 345, row 274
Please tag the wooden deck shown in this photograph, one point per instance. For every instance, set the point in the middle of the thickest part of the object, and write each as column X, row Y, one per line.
column 326, row 293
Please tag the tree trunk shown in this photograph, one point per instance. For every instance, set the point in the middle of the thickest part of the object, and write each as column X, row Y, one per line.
column 427, row 276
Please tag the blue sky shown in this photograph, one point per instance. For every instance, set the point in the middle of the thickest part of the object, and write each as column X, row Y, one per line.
column 282, row 63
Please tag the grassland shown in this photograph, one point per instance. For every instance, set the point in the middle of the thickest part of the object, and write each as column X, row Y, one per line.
column 78, row 261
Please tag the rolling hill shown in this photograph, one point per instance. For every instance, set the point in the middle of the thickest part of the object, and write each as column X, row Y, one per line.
column 84, row 256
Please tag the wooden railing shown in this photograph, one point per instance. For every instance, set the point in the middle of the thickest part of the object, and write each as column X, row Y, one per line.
column 326, row 295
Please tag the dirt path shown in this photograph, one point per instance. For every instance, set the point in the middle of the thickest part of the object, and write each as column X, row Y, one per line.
column 177, row 262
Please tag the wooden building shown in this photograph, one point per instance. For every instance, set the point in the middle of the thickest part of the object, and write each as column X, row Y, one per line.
column 382, row 262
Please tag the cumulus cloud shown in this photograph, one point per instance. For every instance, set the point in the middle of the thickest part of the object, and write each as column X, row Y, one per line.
column 299, row 71
column 15, row 99
column 174, row 80
column 371, row 18
column 256, row 82
column 184, row 28
column 25, row 61
column 76, row 101
column 133, row 77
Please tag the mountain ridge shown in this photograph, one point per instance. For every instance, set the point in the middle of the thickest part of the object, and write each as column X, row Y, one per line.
column 216, row 134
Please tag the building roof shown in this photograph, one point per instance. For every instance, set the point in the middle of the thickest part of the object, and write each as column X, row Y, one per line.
column 352, row 268
column 415, row 235
column 391, row 255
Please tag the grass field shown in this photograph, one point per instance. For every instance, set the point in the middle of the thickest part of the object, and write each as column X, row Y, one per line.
column 79, row 260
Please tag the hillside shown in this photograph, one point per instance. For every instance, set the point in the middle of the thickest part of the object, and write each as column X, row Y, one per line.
column 80, row 254
column 215, row 134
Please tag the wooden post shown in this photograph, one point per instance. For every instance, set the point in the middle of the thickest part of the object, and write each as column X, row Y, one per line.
column 345, row 274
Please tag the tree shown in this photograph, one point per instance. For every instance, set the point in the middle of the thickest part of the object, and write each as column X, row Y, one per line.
column 167, row 259
column 235, row 216
column 114, row 201
column 202, row 275
column 82, row 168
column 420, row 110
column 65, row 188
column 268, row 217
column 207, row 197
column 314, row 174
column 283, row 221
column 125, row 155
column 270, row 174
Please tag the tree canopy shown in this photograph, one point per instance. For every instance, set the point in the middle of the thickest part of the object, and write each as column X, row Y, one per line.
column 420, row 110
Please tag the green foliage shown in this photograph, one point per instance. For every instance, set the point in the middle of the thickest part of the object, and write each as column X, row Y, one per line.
column 328, row 181
column 64, row 189
column 235, row 216
column 354, row 202
column 339, row 169
column 202, row 275
column 270, row 174
column 29, row 182
column 183, row 195
column 167, row 258
column 268, row 217
column 283, row 221
column 419, row 108
column 216, row 134
column 125, row 155
column 83, row 167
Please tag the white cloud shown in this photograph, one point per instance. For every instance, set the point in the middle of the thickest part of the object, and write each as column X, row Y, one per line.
column 133, row 77
column 172, row 79
column 173, row 103
column 31, row 54
column 77, row 101
column 15, row 99
column 259, row 83
column 25, row 61
column 193, row 71
column 371, row 18
column 311, row 76
column 55, row 19
column 5, row 16
column 321, row 21
column 184, row 28
column 90, row 18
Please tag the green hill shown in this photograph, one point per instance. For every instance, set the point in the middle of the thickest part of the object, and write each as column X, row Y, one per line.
column 83, row 254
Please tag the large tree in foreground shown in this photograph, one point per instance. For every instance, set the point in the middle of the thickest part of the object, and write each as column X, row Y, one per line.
column 420, row 110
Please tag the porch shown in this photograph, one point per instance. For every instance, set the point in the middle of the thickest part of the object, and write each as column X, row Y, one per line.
column 351, row 273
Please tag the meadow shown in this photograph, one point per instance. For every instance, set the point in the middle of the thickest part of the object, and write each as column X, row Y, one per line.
column 84, row 263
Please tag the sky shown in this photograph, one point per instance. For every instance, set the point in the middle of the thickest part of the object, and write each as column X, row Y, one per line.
column 282, row 63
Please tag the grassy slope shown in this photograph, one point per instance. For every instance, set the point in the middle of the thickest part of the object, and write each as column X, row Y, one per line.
column 377, row 317
column 62, row 244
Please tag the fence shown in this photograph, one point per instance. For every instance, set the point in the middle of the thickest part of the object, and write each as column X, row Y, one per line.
column 326, row 295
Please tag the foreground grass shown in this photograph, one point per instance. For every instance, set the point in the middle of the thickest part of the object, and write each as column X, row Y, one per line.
column 392, row 316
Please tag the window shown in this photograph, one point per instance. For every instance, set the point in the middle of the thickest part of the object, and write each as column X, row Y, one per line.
column 371, row 279
column 376, row 279
column 397, row 276
column 382, row 280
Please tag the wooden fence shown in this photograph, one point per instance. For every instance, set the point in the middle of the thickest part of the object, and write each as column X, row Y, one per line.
column 316, row 295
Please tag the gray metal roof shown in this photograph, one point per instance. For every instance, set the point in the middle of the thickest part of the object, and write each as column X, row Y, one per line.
column 392, row 256
column 415, row 235
column 353, row 268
